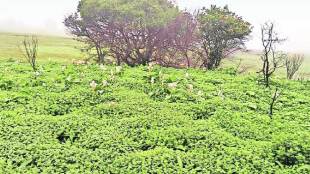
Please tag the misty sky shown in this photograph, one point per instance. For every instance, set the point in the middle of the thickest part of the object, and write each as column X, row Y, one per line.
column 291, row 17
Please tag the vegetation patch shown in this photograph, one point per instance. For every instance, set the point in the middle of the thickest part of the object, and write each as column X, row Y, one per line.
column 107, row 119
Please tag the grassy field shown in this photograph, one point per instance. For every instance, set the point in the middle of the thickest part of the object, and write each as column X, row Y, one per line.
column 51, row 48
column 253, row 63
column 106, row 119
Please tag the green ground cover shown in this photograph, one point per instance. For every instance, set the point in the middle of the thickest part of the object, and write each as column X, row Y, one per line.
column 106, row 119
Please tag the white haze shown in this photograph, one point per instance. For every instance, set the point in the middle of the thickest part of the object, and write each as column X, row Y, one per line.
column 46, row 16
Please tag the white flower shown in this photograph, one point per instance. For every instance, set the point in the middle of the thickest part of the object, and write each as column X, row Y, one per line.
column 105, row 83
column 190, row 87
column 37, row 73
column 93, row 85
column 200, row 93
column 118, row 69
column 69, row 78
column 150, row 66
column 161, row 75
column 102, row 67
column 187, row 75
column 152, row 80
column 63, row 67
column 173, row 85
column 220, row 94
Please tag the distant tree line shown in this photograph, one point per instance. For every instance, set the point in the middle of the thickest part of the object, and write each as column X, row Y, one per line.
column 139, row 32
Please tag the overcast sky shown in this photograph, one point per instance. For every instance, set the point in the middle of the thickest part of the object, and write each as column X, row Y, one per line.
column 291, row 17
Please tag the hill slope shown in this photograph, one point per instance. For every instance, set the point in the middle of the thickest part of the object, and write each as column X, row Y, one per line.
column 92, row 119
column 52, row 48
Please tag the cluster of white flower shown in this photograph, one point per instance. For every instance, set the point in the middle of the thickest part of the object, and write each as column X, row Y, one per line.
column 173, row 85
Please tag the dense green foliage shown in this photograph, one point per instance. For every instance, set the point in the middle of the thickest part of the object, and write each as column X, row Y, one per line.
column 92, row 119
column 222, row 32
column 144, row 12
column 132, row 32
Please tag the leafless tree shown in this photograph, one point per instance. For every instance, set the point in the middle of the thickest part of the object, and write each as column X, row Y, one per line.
column 293, row 64
column 275, row 97
column 30, row 50
column 240, row 67
column 272, row 60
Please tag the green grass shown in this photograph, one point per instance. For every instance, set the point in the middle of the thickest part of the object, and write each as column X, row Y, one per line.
column 253, row 63
column 137, row 120
column 51, row 48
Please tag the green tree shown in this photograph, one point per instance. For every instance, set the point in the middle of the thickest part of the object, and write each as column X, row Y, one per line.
column 135, row 31
column 222, row 32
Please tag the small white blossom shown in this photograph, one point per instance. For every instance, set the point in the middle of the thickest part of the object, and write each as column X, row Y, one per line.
column 161, row 75
column 105, row 83
column 173, row 85
column 187, row 75
column 152, row 80
column 69, row 78
column 150, row 66
column 63, row 67
column 118, row 69
column 190, row 87
column 102, row 67
column 220, row 94
column 93, row 85
column 37, row 73
column 200, row 93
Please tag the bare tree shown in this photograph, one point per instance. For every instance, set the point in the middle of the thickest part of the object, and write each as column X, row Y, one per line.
column 30, row 50
column 272, row 60
column 293, row 64
column 275, row 97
